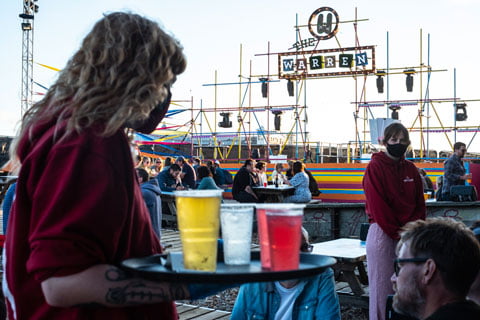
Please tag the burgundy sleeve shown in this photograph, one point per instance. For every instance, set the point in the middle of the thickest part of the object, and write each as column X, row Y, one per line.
column 420, row 209
column 79, row 206
column 377, row 206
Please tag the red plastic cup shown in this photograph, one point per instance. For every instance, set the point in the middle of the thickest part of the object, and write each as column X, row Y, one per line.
column 279, row 228
column 265, row 184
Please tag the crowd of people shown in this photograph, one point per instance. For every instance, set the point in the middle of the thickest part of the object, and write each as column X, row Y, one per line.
column 81, row 205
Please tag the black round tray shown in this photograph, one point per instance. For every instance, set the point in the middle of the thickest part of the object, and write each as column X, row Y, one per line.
column 170, row 268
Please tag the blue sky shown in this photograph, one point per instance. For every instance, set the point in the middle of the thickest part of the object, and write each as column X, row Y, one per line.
column 212, row 31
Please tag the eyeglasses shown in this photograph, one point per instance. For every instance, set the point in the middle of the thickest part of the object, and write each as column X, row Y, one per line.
column 396, row 262
column 306, row 247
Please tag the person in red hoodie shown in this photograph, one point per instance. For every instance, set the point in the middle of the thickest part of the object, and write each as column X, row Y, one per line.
column 394, row 196
column 79, row 211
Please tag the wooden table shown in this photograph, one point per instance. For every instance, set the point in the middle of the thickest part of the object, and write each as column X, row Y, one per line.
column 350, row 255
column 169, row 199
column 274, row 194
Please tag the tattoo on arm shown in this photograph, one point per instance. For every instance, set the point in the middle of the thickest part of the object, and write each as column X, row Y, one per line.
column 139, row 291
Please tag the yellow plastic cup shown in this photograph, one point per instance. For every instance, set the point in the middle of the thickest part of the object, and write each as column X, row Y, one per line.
column 198, row 213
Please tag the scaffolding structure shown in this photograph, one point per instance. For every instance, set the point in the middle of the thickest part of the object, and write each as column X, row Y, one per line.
column 30, row 8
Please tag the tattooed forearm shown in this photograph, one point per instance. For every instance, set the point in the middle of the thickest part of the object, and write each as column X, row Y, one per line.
column 128, row 291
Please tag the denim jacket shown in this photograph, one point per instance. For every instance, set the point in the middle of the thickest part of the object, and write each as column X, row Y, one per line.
column 315, row 299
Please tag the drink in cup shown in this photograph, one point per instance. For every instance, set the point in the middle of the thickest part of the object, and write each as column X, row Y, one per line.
column 198, row 222
column 264, row 184
column 236, row 221
column 283, row 226
column 263, row 238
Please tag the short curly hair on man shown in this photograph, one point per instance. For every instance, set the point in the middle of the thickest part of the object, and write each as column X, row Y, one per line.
column 451, row 244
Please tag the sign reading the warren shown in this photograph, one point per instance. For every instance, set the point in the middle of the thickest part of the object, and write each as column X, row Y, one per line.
column 327, row 62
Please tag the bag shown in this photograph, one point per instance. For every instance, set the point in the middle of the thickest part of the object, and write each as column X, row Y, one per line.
column 463, row 193
column 228, row 177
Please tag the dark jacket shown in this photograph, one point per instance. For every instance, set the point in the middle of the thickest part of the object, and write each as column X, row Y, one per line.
column 151, row 194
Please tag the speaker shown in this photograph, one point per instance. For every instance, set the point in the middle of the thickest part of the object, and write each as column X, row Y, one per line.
column 463, row 193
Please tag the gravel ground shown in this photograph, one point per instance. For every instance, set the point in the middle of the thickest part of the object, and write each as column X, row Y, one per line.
column 226, row 299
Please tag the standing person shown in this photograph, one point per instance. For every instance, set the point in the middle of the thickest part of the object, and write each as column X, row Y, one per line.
column 151, row 195
column 242, row 183
column 79, row 211
column 394, row 196
column 188, row 173
column 438, row 259
column 300, row 182
column 454, row 171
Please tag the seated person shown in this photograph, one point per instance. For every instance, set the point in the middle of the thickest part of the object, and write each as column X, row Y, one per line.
column 242, row 183
column 169, row 180
column 301, row 183
column 474, row 293
column 438, row 260
column 151, row 195
column 307, row 298
column 205, row 178
column 278, row 174
column 261, row 169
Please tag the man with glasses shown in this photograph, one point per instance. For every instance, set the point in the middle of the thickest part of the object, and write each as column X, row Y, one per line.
column 454, row 171
column 438, row 260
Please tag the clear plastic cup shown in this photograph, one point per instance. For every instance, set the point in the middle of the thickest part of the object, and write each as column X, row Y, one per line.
column 236, row 221
column 198, row 221
column 279, row 228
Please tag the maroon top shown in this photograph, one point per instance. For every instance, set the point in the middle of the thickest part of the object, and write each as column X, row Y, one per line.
column 78, row 204
column 394, row 193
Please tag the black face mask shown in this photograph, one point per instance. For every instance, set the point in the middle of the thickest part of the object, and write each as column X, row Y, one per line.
column 156, row 115
column 397, row 150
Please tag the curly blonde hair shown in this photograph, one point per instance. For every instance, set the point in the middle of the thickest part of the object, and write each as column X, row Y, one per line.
column 123, row 68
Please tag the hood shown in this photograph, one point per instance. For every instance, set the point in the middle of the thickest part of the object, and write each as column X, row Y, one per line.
column 152, row 185
column 41, row 132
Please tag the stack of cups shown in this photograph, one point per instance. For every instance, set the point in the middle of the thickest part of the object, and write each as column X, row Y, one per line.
column 198, row 222
column 237, row 222
column 279, row 230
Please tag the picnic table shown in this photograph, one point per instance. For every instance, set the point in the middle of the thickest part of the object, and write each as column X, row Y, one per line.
column 169, row 199
column 351, row 255
column 274, row 194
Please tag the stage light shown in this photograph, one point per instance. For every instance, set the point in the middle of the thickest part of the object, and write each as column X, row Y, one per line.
column 380, row 75
column 409, row 80
column 277, row 120
column 291, row 93
column 225, row 123
column 26, row 26
column 461, row 112
column 264, row 87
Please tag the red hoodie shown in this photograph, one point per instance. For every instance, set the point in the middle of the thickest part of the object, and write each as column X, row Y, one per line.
column 78, row 204
column 394, row 192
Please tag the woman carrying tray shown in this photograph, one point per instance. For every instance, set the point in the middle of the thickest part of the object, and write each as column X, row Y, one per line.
column 394, row 193
column 78, row 210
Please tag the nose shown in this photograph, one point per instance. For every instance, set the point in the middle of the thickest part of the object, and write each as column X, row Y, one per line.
column 393, row 278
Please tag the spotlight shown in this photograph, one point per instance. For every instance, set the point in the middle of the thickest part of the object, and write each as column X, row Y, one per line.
column 394, row 109
column 264, row 87
column 225, row 123
column 461, row 112
column 26, row 16
column 277, row 120
column 26, row 26
column 290, row 88
column 380, row 75
column 409, row 80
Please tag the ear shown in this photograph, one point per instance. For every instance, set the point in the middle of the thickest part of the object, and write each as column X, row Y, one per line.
column 428, row 271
